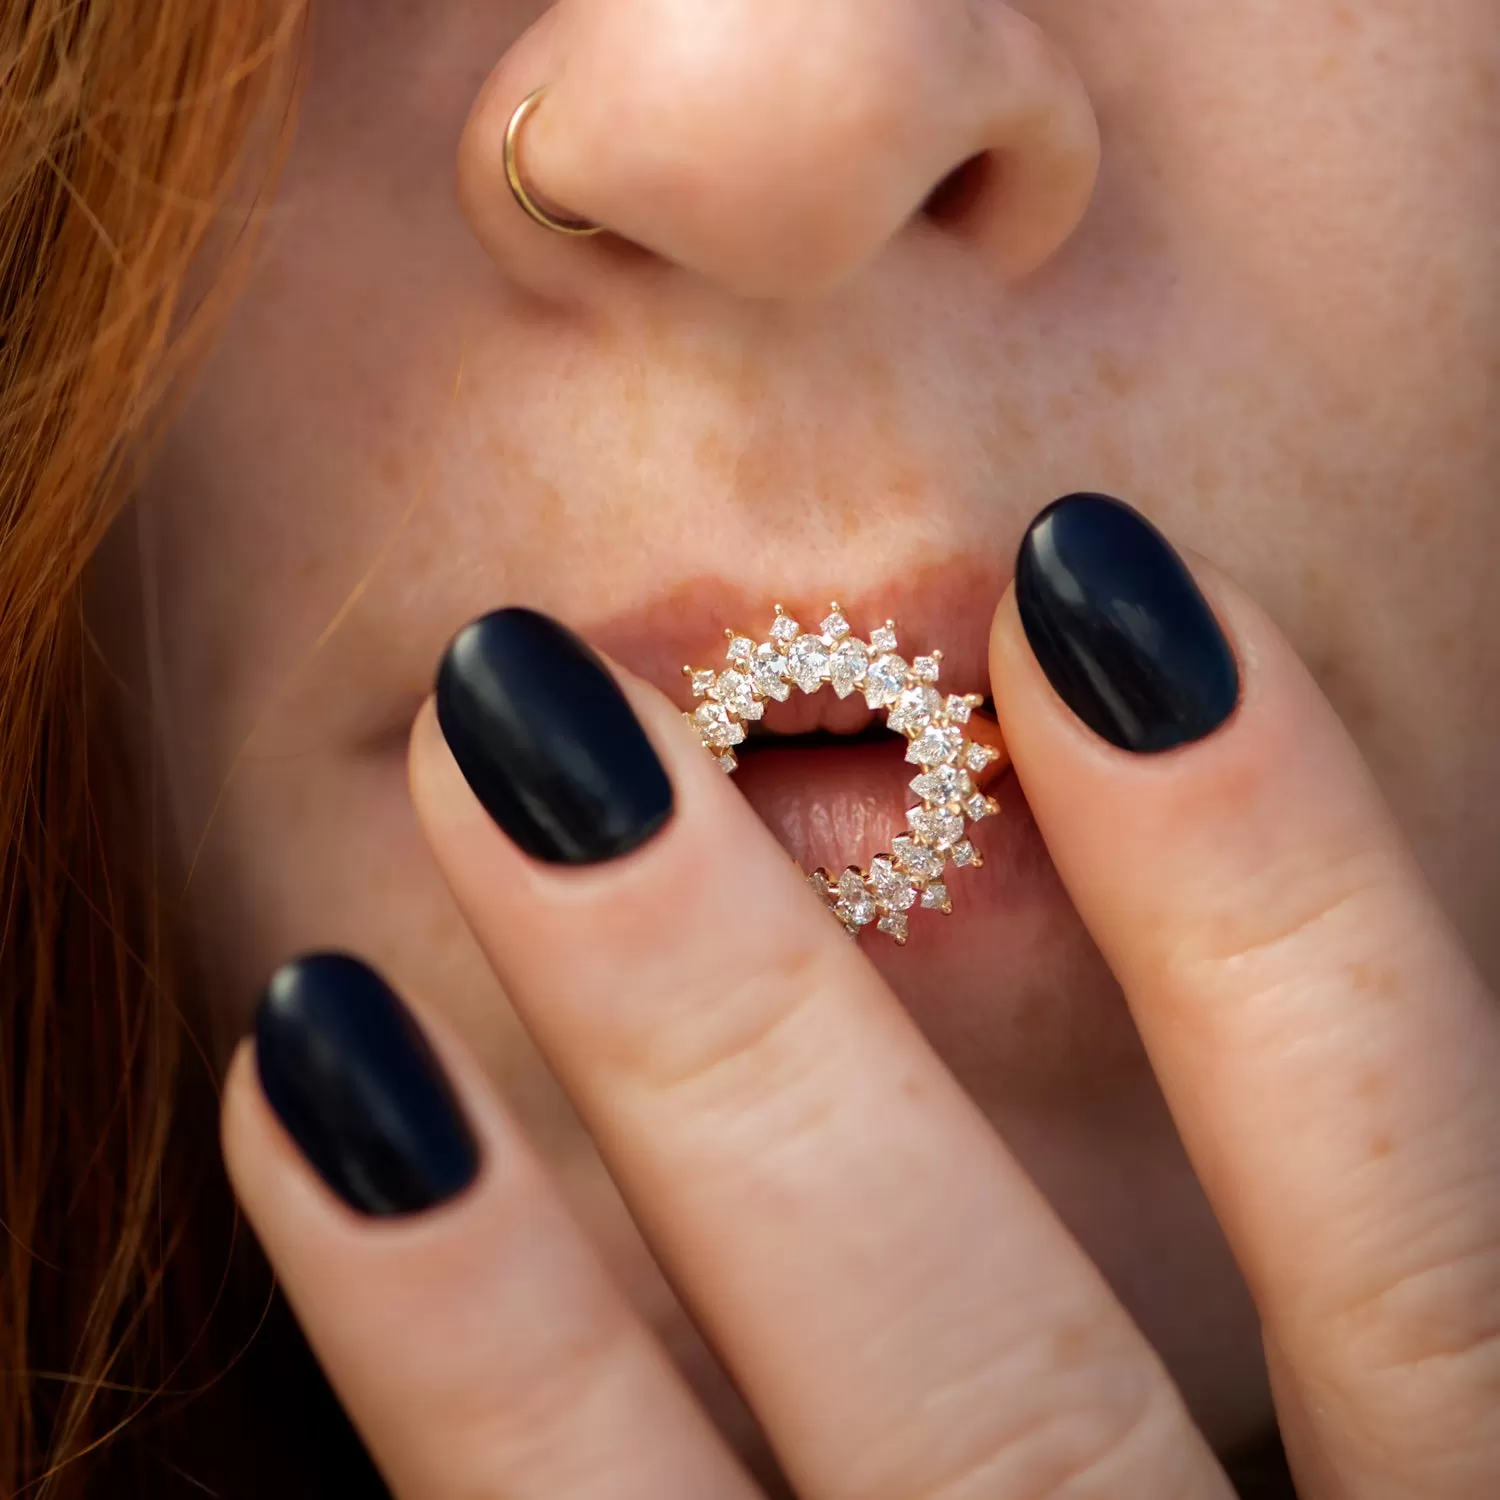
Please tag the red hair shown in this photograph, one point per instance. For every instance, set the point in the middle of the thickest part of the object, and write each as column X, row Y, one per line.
column 135, row 137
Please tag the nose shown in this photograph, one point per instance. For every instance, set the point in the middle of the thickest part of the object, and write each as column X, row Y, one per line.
column 776, row 146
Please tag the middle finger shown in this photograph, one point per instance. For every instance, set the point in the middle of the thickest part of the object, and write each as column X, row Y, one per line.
column 897, row 1301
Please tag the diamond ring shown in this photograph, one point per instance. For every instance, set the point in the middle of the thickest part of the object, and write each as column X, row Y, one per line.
column 941, row 744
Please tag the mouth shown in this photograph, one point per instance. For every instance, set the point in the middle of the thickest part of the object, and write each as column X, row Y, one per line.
column 817, row 759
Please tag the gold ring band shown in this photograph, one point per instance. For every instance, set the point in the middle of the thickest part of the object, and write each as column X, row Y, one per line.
column 578, row 228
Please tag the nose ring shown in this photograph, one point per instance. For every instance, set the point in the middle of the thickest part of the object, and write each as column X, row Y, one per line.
column 558, row 224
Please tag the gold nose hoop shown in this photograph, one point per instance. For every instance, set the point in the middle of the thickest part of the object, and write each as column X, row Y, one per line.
column 557, row 223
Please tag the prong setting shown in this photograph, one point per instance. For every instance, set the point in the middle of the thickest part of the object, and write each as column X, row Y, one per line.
column 912, row 875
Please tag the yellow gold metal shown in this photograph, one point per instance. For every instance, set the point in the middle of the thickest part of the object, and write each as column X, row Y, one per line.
column 557, row 223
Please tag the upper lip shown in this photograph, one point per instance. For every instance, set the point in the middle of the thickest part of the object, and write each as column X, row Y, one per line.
column 945, row 607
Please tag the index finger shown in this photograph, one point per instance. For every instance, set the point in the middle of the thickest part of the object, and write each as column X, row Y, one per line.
column 1329, row 1053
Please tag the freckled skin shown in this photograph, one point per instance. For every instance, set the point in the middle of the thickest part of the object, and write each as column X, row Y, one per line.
column 1275, row 331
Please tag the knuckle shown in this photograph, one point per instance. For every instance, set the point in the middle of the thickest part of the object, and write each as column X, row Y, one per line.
column 1075, row 1410
column 1425, row 1333
column 1287, row 910
column 742, row 1027
column 525, row 1419
column 1127, row 1447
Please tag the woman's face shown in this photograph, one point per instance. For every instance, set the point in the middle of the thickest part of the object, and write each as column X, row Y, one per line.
column 1274, row 329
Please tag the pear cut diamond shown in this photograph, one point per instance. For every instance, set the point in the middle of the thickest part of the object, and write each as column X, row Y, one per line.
column 935, row 746
column 716, row 727
column 893, row 888
column 936, row 829
column 768, row 669
column 847, row 666
column 914, row 710
column 807, row 662
column 856, row 905
column 885, row 679
column 915, row 859
column 943, row 785
column 736, row 692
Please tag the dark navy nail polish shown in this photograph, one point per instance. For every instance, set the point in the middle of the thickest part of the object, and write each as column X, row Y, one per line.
column 354, row 1081
column 548, row 743
column 1122, row 631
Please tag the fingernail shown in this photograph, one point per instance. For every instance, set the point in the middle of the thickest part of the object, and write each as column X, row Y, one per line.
column 548, row 743
column 354, row 1081
column 1122, row 631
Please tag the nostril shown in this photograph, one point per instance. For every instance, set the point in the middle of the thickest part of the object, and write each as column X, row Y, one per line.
column 955, row 197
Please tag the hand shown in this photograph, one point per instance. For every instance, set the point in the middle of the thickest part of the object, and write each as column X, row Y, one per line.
column 898, row 1303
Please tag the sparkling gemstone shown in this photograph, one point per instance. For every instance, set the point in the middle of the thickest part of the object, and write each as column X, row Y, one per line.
column 846, row 667
column 895, row 924
column 884, row 681
column 893, row 889
column 938, row 829
column 942, row 784
column 767, row 669
column 934, row 747
column 883, row 639
column 737, row 693
column 979, row 806
column 807, row 661
column 915, row 859
column 835, row 626
column 958, row 708
column 727, row 762
column 702, row 682
column 926, row 668
column 935, row 897
column 741, row 649
column 964, row 853
column 978, row 756
column 716, row 727
column 856, row 905
column 784, row 628
column 914, row 709
column 822, row 883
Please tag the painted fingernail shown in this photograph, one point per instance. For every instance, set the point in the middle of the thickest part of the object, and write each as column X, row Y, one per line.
column 548, row 743
column 354, row 1081
column 1122, row 631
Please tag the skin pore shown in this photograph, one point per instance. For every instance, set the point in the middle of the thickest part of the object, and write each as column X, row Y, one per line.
column 1274, row 331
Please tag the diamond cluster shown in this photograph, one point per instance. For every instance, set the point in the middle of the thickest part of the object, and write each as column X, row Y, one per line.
column 911, row 875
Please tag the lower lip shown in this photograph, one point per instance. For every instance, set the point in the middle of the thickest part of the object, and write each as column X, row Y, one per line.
column 837, row 806
column 1008, row 988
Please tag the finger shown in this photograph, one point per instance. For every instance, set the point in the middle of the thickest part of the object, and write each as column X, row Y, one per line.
column 1328, row 1051
column 474, row 1339
column 897, row 1302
